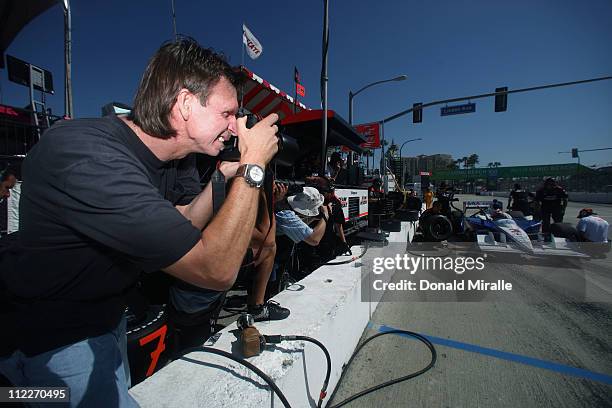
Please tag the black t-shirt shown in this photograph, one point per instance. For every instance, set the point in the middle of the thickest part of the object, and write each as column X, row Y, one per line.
column 327, row 245
column 551, row 198
column 414, row 203
column 96, row 209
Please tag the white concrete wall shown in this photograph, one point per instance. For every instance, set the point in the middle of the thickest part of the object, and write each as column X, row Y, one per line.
column 326, row 305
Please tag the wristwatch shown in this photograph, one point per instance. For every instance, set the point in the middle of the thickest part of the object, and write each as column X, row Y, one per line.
column 252, row 173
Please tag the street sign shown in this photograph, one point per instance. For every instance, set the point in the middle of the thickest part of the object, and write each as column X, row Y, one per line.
column 458, row 109
column 372, row 132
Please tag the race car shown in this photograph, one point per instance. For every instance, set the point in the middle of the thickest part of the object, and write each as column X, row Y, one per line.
column 496, row 231
column 493, row 230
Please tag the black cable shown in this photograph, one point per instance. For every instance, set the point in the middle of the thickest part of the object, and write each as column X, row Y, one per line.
column 245, row 363
column 323, row 393
column 423, row 339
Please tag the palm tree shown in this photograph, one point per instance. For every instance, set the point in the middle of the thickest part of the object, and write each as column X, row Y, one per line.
column 473, row 160
column 392, row 150
column 464, row 160
column 496, row 164
column 490, row 165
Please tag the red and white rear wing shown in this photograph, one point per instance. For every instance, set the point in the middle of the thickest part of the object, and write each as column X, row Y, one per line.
column 263, row 98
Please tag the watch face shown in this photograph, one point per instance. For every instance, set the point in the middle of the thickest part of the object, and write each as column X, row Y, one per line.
column 256, row 174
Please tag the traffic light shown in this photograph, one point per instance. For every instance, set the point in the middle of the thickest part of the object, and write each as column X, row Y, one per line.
column 501, row 101
column 574, row 153
column 417, row 113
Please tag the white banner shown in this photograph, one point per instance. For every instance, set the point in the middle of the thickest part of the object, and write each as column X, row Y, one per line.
column 252, row 45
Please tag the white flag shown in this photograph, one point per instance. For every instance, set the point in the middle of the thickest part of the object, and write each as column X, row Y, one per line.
column 251, row 44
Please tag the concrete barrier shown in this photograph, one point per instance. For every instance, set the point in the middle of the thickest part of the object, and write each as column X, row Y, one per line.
column 325, row 305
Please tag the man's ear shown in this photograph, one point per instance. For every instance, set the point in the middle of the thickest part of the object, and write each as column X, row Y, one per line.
column 184, row 99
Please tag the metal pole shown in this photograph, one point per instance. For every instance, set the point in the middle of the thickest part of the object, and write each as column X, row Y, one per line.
column 68, row 107
column 324, row 88
column 174, row 22
column 382, row 151
column 464, row 98
column 351, row 108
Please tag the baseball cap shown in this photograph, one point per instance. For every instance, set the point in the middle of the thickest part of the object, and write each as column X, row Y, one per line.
column 585, row 212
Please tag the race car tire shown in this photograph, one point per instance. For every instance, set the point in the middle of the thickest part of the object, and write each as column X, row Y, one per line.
column 148, row 343
column 564, row 230
column 437, row 228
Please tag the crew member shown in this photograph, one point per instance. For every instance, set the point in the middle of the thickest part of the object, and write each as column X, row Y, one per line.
column 334, row 241
column 375, row 190
column 96, row 210
column 413, row 202
column 428, row 197
column 553, row 201
column 334, row 166
column 519, row 200
column 592, row 228
column 7, row 182
column 294, row 216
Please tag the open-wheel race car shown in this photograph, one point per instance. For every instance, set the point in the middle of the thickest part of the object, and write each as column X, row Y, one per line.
column 496, row 231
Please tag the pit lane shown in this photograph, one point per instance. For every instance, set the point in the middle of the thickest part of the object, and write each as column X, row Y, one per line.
column 544, row 350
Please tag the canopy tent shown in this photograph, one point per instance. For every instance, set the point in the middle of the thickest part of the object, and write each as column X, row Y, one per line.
column 16, row 14
column 263, row 98
column 308, row 124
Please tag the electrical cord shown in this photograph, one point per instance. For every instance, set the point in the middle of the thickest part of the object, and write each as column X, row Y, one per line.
column 275, row 339
column 423, row 339
column 245, row 363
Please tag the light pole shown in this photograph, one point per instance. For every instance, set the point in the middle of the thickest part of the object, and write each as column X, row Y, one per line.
column 352, row 95
column 400, row 157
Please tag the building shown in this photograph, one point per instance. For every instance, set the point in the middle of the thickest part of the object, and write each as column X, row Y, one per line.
column 407, row 167
column 572, row 176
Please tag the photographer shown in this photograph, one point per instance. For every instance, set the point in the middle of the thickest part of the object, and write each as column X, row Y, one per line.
column 333, row 242
column 96, row 210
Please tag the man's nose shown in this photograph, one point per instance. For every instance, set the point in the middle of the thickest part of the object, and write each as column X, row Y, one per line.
column 232, row 125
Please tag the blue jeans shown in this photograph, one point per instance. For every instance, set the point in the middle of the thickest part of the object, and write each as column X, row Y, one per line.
column 95, row 369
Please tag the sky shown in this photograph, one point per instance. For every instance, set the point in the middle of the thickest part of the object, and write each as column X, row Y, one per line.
column 447, row 48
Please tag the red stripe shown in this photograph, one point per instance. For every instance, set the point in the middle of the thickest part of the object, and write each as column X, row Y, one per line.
column 264, row 102
column 252, row 93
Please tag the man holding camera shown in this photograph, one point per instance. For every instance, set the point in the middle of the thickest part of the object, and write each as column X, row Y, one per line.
column 96, row 210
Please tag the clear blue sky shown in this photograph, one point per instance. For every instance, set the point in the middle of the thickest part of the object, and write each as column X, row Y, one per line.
column 447, row 48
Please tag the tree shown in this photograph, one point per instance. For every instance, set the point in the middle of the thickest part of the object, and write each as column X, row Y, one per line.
column 472, row 161
column 464, row 160
column 367, row 153
column 392, row 150
column 452, row 165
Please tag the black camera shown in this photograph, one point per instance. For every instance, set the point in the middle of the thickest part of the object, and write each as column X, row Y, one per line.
column 288, row 148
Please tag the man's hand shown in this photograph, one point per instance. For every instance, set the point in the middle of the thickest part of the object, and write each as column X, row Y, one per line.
column 279, row 191
column 228, row 169
column 259, row 144
column 325, row 211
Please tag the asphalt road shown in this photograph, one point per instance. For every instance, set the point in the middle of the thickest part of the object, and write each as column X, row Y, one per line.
column 549, row 344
